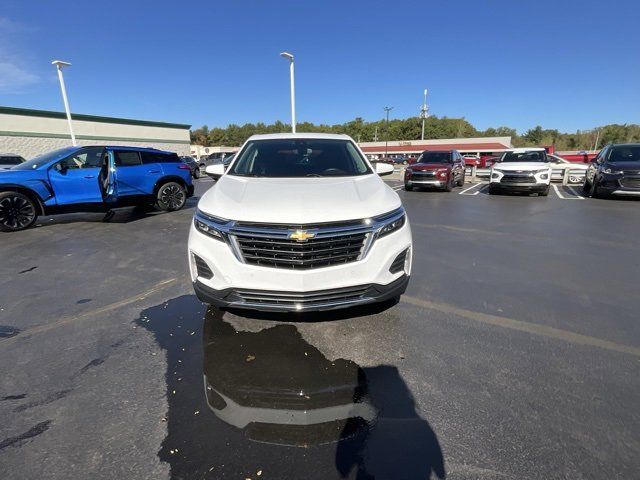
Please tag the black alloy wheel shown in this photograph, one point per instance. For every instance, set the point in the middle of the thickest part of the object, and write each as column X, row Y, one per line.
column 17, row 211
column 171, row 197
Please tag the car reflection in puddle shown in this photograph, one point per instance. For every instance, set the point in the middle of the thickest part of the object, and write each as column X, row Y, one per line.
column 272, row 403
column 280, row 389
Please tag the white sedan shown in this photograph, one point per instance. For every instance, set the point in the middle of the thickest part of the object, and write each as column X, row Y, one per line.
column 559, row 165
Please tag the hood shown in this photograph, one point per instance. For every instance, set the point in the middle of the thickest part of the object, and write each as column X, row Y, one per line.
column 430, row 166
column 628, row 167
column 524, row 166
column 12, row 176
column 298, row 200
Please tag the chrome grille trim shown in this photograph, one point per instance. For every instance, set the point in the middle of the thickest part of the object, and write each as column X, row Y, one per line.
column 269, row 245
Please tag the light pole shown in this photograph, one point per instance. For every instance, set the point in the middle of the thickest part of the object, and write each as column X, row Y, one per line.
column 293, row 90
column 424, row 112
column 59, row 64
column 386, row 137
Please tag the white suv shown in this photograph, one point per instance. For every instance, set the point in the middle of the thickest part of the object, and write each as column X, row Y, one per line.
column 299, row 222
column 522, row 170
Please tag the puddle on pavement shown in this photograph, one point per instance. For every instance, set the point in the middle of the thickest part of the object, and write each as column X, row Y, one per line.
column 7, row 331
column 265, row 400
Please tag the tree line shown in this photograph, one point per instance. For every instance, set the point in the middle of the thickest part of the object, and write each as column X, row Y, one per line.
column 435, row 127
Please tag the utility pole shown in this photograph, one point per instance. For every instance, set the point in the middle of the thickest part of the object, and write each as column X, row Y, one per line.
column 424, row 112
column 375, row 135
column 386, row 142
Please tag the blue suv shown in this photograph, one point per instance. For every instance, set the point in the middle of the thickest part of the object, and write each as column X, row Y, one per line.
column 91, row 179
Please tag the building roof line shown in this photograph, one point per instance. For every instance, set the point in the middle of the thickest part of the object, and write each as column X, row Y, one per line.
column 90, row 118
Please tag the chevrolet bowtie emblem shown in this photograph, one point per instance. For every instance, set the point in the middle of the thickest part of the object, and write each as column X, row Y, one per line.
column 301, row 235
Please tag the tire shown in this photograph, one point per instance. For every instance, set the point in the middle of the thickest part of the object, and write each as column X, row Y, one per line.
column 17, row 212
column 461, row 182
column 586, row 188
column 408, row 188
column 171, row 196
column 545, row 192
column 595, row 191
column 449, row 186
column 493, row 190
column 196, row 173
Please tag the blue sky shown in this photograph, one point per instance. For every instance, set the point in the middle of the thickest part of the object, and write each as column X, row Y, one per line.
column 566, row 64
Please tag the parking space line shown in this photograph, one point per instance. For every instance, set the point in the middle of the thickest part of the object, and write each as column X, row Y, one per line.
column 557, row 190
column 482, row 185
column 523, row 326
column 575, row 193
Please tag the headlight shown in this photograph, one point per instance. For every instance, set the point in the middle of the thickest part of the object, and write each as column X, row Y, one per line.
column 613, row 172
column 496, row 173
column 208, row 224
column 391, row 222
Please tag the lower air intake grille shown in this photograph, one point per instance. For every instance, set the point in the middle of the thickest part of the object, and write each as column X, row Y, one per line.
column 631, row 182
column 203, row 269
column 398, row 263
column 300, row 301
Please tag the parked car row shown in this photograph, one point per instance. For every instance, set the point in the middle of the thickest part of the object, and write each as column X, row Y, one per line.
column 614, row 171
column 92, row 179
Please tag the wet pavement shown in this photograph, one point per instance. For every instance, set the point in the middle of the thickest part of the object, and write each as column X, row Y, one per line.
column 514, row 354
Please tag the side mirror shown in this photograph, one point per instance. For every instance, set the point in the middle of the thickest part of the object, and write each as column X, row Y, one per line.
column 383, row 169
column 215, row 171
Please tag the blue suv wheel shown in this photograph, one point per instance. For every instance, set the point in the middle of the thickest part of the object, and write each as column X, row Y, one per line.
column 171, row 196
column 17, row 211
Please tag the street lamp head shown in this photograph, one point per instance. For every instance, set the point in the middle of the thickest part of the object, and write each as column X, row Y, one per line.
column 60, row 63
column 287, row 55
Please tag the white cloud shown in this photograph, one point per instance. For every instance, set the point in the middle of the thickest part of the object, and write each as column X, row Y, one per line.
column 15, row 74
column 14, row 78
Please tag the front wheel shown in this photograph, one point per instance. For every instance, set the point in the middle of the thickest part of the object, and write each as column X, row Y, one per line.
column 461, row 182
column 545, row 192
column 408, row 188
column 196, row 173
column 17, row 212
column 171, row 196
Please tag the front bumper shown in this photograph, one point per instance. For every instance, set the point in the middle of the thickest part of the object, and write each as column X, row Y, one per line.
column 233, row 283
column 282, row 301
column 519, row 187
column 433, row 183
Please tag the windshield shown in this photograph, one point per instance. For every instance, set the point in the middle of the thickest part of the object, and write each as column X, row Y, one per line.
column 531, row 156
column 294, row 158
column 625, row 154
column 43, row 159
column 435, row 157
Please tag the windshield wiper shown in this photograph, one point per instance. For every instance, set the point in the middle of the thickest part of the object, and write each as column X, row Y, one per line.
column 314, row 175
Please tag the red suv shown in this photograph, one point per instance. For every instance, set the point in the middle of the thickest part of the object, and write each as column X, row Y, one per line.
column 436, row 168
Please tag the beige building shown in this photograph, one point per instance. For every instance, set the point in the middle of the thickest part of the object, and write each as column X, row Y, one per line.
column 29, row 133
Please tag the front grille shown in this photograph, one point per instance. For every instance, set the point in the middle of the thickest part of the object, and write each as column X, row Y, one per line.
column 517, row 179
column 425, row 173
column 269, row 245
column 300, row 301
column 398, row 263
column 201, row 266
column 630, row 182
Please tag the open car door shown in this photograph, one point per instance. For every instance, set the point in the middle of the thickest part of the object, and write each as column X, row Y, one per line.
column 107, row 179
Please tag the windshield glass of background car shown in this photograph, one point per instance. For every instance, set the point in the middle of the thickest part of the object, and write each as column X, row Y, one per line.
column 43, row 159
column 625, row 154
column 535, row 156
column 296, row 158
column 435, row 157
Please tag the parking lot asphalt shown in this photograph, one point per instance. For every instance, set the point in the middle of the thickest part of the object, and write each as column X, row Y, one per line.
column 514, row 354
